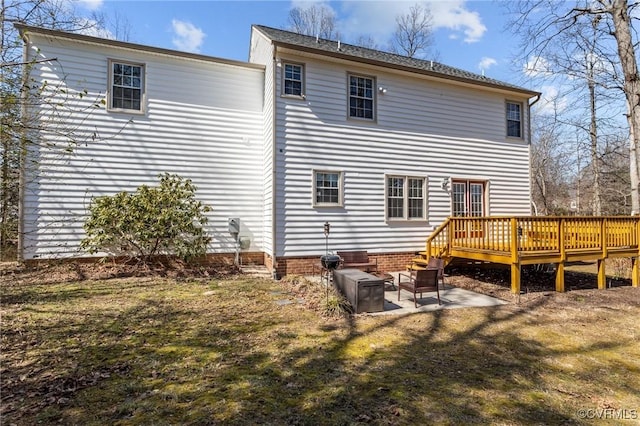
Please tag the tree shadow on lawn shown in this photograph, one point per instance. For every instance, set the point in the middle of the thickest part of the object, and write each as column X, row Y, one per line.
column 244, row 361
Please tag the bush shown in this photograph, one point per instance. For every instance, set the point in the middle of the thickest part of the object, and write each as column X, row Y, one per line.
column 152, row 221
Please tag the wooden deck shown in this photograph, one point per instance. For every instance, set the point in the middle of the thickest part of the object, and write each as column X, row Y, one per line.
column 526, row 240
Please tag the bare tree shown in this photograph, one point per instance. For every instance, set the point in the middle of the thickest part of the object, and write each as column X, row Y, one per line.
column 366, row 41
column 316, row 20
column 51, row 14
column 550, row 157
column 546, row 25
column 19, row 94
column 413, row 36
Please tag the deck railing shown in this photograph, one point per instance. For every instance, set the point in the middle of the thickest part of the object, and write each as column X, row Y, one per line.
column 534, row 234
column 533, row 239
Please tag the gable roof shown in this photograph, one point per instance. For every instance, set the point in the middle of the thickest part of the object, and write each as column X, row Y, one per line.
column 337, row 49
column 25, row 30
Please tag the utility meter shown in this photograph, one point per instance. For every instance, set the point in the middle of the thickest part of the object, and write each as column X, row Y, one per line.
column 234, row 226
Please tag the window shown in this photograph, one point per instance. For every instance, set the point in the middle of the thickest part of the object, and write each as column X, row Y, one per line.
column 293, row 80
column 406, row 198
column 514, row 120
column 327, row 188
column 467, row 198
column 361, row 97
column 126, row 81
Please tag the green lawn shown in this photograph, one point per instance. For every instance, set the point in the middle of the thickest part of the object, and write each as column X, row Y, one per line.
column 222, row 351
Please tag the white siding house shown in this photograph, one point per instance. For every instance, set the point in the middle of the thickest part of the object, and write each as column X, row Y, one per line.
column 433, row 144
column 199, row 117
column 382, row 147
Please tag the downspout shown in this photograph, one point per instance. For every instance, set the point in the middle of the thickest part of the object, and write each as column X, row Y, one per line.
column 22, row 160
column 529, row 114
column 274, row 192
column 529, row 105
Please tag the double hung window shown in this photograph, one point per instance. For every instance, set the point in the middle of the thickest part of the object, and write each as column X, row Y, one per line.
column 327, row 188
column 361, row 97
column 514, row 119
column 405, row 198
column 293, row 80
column 126, row 86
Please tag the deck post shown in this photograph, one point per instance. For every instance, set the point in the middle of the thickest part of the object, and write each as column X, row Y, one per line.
column 515, row 262
column 560, row 277
column 563, row 257
column 515, row 278
column 602, row 277
column 634, row 272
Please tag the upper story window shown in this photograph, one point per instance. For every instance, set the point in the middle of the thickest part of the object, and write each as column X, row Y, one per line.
column 514, row 119
column 361, row 101
column 126, row 83
column 327, row 188
column 406, row 198
column 293, row 80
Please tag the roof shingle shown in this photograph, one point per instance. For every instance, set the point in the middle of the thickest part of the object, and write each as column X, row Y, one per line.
column 362, row 54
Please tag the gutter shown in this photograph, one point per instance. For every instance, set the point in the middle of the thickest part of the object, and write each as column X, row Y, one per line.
column 538, row 96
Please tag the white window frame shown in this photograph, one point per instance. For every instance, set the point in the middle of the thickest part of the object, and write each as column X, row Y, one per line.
column 110, row 89
column 405, row 198
column 315, row 202
column 508, row 119
column 302, row 80
column 373, row 97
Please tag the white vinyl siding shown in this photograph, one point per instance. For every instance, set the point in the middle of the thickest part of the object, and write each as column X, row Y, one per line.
column 262, row 53
column 414, row 136
column 210, row 130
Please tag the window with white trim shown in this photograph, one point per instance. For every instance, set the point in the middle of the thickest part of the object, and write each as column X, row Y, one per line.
column 361, row 97
column 327, row 188
column 405, row 198
column 514, row 119
column 126, row 86
column 293, row 79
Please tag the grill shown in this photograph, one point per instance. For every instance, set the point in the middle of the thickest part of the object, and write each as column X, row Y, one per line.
column 330, row 261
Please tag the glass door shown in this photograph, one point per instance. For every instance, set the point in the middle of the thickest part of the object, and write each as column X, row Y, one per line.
column 467, row 200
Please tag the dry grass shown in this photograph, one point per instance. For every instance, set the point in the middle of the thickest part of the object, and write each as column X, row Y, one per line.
column 223, row 351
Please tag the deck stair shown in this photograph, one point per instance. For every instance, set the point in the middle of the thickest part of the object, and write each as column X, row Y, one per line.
column 528, row 240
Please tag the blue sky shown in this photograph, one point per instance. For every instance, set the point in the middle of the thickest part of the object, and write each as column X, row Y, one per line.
column 468, row 34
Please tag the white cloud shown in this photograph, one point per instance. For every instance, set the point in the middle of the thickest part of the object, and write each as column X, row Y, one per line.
column 90, row 4
column 537, row 66
column 93, row 29
column 187, row 36
column 378, row 18
column 486, row 63
column 453, row 15
column 551, row 101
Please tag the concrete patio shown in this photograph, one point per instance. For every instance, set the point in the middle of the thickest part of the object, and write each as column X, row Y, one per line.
column 451, row 298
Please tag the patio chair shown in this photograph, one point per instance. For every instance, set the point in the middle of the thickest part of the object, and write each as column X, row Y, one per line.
column 437, row 263
column 418, row 282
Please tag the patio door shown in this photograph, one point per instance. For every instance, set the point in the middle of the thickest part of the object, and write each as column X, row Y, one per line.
column 467, row 199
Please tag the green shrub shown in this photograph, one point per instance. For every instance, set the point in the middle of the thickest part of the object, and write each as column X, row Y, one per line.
column 151, row 221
